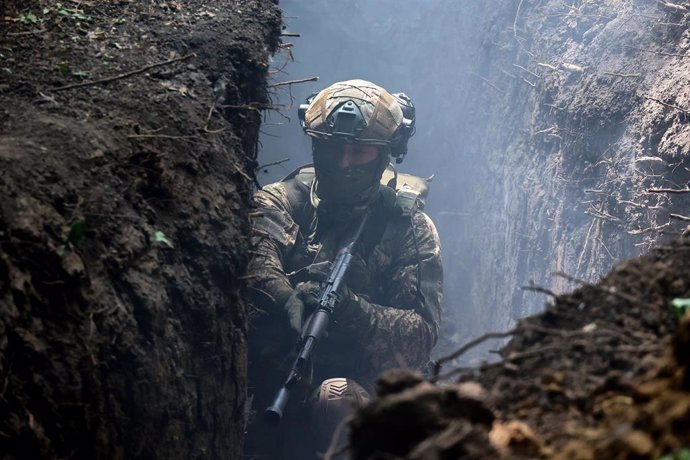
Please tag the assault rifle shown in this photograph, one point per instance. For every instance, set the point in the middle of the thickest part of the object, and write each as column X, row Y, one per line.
column 329, row 298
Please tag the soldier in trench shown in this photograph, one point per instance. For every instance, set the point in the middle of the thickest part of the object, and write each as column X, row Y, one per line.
column 390, row 312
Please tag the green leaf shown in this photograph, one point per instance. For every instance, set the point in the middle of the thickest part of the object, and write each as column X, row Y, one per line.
column 64, row 69
column 681, row 308
column 77, row 232
column 28, row 18
column 161, row 238
column 681, row 454
column 73, row 15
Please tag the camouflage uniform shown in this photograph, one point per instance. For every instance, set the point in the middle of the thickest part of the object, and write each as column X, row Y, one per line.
column 393, row 323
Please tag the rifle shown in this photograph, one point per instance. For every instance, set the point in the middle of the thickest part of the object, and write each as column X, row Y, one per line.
column 329, row 298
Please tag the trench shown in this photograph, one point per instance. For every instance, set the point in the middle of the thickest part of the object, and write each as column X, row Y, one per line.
column 129, row 138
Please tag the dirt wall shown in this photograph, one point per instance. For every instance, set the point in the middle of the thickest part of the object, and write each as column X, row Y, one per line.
column 579, row 114
column 122, row 232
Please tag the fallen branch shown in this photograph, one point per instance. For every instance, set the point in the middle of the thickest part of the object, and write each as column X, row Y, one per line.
column 123, row 75
column 293, row 82
column 678, row 216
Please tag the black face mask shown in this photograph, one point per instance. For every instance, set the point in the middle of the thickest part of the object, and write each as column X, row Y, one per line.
column 348, row 186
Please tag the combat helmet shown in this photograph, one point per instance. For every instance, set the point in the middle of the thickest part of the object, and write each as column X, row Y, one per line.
column 359, row 111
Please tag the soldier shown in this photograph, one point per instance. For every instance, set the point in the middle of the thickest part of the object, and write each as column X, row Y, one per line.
column 390, row 313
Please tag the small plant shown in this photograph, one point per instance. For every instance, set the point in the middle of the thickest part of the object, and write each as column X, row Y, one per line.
column 161, row 238
column 680, row 308
column 71, row 14
column 77, row 232
column 681, row 454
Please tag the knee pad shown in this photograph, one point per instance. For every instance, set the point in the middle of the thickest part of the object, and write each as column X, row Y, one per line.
column 332, row 401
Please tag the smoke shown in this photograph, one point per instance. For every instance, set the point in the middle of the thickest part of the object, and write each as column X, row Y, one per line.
column 435, row 52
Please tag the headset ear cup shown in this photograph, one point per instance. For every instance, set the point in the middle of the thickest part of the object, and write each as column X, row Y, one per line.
column 406, row 129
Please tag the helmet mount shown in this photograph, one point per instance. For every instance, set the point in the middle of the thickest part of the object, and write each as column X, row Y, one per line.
column 346, row 121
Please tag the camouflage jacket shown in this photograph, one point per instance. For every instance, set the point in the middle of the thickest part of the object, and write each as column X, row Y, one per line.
column 395, row 323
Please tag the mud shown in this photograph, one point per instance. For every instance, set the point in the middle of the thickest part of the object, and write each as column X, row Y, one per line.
column 122, row 312
column 601, row 373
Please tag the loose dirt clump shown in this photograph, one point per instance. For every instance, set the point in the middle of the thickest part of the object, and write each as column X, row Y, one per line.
column 601, row 373
column 128, row 134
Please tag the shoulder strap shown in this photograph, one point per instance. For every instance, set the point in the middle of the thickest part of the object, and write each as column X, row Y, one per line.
column 378, row 222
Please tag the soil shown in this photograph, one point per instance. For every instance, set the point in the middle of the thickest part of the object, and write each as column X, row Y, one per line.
column 123, row 214
column 603, row 372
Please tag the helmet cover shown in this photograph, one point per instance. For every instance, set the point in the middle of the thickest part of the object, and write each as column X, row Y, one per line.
column 356, row 111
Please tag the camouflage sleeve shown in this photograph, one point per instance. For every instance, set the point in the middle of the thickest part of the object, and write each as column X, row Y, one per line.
column 407, row 328
column 273, row 235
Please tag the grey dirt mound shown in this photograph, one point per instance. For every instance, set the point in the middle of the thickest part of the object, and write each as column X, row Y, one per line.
column 122, row 223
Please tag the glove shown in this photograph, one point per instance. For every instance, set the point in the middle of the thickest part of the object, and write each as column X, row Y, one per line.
column 301, row 303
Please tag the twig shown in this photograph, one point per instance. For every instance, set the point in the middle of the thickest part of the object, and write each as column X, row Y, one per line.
column 657, row 52
column 168, row 136
column 546, row 66
column 672, row 6
column 28, row 32
column 668, row 190
column 678, row 216
column 607, row 249
column 123, row 75
column 584, row 248
column 666, row 104
column 658, row 228
column 251, row 106
column 539, row 289
column 469, row 345
column 487, row 82
column 517, row 13
column 275, row 163
column 564, row 346
column 606, row 290
column 528, row 71
column 293, row 82
column 623, row 75
column 290, row 34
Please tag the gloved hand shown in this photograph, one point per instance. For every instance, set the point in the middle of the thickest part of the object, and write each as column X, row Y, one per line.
column 302, row 303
